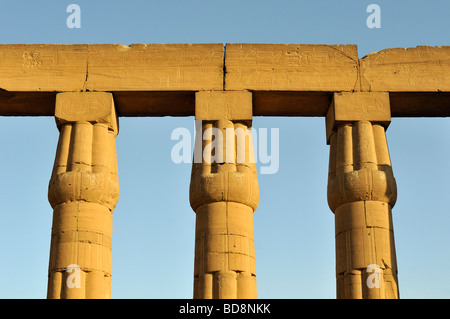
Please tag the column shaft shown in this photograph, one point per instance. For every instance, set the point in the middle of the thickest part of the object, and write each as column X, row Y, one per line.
column 83, row 192
column 361, row 193
column 224, row 194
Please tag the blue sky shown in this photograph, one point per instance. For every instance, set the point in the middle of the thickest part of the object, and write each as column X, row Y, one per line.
column 153, row 238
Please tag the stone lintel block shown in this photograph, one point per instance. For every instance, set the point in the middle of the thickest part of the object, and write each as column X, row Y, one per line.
column 348, row 107
column 419, row 69
column 223, row 105
column 155, row 67
column 93, row 107
column 291, row 67
column 43, row 67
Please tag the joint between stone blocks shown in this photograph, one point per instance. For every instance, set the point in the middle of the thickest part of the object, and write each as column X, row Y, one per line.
column 93, row 107
column 350, row 107
column 223, row 105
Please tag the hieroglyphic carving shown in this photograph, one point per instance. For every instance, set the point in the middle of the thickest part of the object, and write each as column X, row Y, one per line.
column 31, row 59
column 348, row 107
column 95, row 107
column 407, row 70
column 42, row 67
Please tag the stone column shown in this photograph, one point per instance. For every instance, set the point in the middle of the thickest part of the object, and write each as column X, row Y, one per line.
column 83, row 192
column 361, row 193
column 224, row 193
